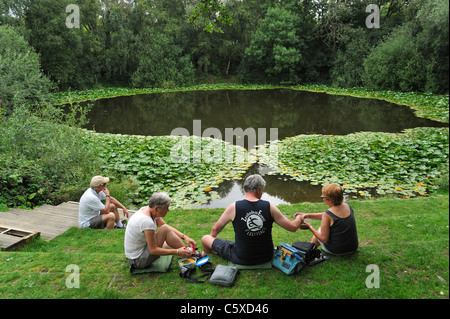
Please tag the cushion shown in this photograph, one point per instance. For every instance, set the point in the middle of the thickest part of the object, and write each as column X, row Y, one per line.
column 266, row 265
column 162, row 264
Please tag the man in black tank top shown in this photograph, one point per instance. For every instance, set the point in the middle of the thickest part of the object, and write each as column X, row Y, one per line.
column 252, row 220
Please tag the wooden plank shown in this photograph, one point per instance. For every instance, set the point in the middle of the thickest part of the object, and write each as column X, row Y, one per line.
column 49, row 221
column 70, row 205
column 7, row 241
column 11, row 238
column 41, row 214
column 48, row 227
column 57, row 211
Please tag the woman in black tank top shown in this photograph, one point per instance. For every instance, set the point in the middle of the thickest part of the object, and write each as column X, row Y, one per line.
column 337, row 233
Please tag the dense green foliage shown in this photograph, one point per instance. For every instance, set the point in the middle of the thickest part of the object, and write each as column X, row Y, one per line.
column 167, row 43
column 21, row 80
column 277, row 49
column 42, row 159
column 406, row 164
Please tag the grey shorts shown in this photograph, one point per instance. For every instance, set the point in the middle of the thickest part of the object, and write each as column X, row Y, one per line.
column 97, row 222
column 144, row 260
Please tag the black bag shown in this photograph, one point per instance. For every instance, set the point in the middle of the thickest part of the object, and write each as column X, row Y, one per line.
column 310, row 253
column 188, row 270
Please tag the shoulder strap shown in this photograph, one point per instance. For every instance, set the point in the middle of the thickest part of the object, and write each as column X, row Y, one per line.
column 331, row 214
column 207, row 270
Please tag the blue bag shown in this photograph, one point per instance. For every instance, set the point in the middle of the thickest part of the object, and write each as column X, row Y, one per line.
column 288, row 259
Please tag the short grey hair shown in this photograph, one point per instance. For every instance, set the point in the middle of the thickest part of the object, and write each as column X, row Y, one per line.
column 159, row 199
column 254, row 183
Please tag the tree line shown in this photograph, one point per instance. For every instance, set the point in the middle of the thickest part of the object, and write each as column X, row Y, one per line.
column 158, row 43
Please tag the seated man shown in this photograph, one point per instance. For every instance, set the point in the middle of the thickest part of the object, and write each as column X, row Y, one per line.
column 252, row 220
column 93, row 213
column 144, row 244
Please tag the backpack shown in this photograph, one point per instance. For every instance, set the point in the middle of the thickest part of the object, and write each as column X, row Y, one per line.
column 288, row 259
column 291, row 259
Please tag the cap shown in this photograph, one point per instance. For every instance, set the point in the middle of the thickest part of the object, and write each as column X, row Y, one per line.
column 99, row 180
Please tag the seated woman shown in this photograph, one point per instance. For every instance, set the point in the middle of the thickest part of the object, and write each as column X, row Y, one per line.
column 337, row 233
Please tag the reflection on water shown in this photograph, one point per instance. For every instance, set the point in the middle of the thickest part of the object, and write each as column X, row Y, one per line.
column 291, row 112
column 278, row 190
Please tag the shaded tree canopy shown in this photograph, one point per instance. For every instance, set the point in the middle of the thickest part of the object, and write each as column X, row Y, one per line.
column 165, row 43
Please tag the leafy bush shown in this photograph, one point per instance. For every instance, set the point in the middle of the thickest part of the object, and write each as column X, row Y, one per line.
column 433, row 41
column 21, row 79
column 415, row 56
column 39, row 157
column 396, row 64
column 163, row 65
column 274, row 53
column 348, row 67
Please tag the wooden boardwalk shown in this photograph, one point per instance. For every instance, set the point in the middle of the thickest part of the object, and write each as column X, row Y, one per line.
column 49, row 221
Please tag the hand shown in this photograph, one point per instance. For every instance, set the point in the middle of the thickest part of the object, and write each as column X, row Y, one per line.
column 190, row 241
column 184, row 252
column 125, row 212
column 106, row 191
column 305, row 225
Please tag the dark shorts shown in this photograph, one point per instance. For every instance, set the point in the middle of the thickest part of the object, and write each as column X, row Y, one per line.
column 97, row 222
column 225, row 249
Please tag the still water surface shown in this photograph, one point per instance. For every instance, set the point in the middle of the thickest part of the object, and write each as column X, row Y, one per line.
column 291, row 112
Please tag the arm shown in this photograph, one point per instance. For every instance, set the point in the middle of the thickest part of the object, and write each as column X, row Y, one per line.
column 227, row 216
column 282, row 220
column 150, row 237
column 324, row 229
column 312, row 216
column 116, row 202
column 106, row 210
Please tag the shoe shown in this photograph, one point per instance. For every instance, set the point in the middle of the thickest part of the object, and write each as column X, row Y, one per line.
column 120, row 227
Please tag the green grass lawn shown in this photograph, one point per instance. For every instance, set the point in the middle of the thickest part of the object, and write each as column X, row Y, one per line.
column 407, row 239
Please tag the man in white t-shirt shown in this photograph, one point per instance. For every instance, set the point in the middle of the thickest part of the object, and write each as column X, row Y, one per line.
column 144, row 243
column 93, row 213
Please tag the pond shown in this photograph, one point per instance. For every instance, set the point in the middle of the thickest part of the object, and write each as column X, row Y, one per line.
column 286, row 112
